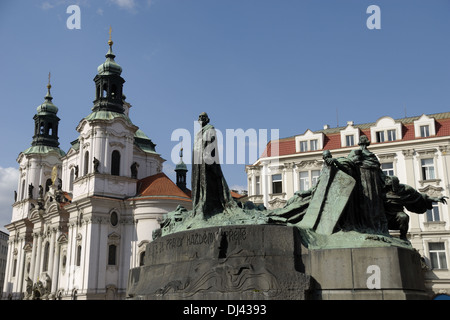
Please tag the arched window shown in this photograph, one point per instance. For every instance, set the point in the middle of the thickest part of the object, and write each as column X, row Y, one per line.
column 113, row 91
column 115, row 163
column 22, row 192
column 86, row 162
column 112, row 254
column 78, row 255
column 50, row 129
column 46, row 254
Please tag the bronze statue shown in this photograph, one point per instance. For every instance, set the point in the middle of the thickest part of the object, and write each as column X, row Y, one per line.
column 210, row 192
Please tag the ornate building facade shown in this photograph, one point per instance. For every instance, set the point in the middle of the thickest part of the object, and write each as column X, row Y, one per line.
column 415, row 149
column 81, row 219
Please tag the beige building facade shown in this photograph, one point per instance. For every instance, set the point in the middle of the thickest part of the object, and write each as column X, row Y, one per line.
column 415, row 149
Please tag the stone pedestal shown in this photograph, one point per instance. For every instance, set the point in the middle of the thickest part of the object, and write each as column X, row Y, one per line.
column 375, row 273
column 269, row 262
column 249, row 262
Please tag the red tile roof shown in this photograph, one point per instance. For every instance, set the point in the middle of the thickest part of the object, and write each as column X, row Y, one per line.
column 332, row 137
column 159, row 186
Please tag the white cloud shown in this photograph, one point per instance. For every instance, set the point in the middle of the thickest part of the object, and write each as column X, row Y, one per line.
column 100, row 11
column 8, row 184
column 46, row 5
column 125, row 4
column 238, row 188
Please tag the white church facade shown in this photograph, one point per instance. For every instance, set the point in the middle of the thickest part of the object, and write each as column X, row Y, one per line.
column 81, row 219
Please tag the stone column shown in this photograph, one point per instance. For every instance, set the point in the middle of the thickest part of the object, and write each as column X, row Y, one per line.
column 37, row 264
column 263, row 184
column 20, row 266
column 55, row 269
column 51, row 252
column 33, row 257
column 8, row 273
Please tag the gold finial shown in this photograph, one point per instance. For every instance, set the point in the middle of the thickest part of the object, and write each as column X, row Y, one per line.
column 49, row 85
column 110, row 41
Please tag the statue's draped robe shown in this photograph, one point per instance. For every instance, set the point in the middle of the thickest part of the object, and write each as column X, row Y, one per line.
column 210, row 192
column 408, row 197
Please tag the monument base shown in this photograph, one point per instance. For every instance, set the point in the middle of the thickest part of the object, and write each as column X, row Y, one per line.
column 269, row 262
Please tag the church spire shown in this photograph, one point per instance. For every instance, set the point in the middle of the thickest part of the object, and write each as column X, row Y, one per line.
column 109, row 83
column 46, row 122
column 181, row 170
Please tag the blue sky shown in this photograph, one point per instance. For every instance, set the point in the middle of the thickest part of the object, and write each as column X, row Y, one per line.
column 290, row 65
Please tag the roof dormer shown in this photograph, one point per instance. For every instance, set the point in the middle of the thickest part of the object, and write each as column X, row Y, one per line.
column 350, row 135
column 386, row 129
column 424, row 127
column 309, row 141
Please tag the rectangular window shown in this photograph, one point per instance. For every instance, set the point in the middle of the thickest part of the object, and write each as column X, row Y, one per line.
column 112, row 250
column 258, row 186
column 433, row 213
column 277, row 183
column 380, row 136
column 313, row 144
column 303, row 146
column 438, row 257
column 315, row 177
column 304, row 180
column 388, row 168
column 349, row 140
column 424, row 131
column 391, row 135
column 428, row 169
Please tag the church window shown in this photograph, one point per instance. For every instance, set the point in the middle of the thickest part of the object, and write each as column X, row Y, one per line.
column 14, row 267
column 114, row 219
column 105, row 91
column 71, row 178
column 23, row 190
column 97, row 94
column 115, row 163
column 78, row 255
column 112, row 254
column 46, row 254
column 86, row 162
column 50, row 129
column 113, row 91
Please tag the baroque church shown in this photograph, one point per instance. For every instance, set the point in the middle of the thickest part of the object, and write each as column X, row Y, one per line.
column 82, row 219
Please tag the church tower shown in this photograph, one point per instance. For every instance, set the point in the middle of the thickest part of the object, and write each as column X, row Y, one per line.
column 106, row 141
column 109, row 84
column 37, row 162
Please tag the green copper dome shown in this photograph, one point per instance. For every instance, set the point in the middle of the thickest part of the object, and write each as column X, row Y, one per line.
column 109, row 66
column 47, row 106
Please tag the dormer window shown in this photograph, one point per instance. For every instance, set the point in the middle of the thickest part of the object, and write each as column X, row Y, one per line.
column 386, row 129
column 424, row 131
column 349, row 135
column 309, row 141
column 424, row 127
